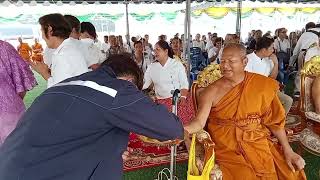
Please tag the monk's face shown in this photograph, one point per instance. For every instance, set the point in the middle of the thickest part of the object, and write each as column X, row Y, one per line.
column 232, row 62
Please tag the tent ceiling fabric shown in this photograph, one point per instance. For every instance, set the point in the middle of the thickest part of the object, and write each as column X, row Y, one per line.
column 147, row 1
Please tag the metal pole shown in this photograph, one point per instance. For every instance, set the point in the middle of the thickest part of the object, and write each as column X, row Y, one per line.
column 127, row 24
column 187, row 26
column 239, row 14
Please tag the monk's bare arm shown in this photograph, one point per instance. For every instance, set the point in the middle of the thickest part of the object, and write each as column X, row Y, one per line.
column 294, row 161
column 280, row 134
column 205, row 104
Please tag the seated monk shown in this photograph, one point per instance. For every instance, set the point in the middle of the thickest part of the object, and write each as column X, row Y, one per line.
column 24, row 50
column 37, row 51
column 241, row 110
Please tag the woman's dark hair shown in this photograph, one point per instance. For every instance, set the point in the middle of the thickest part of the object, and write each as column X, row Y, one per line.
column 89, row 28
column 137, row 42
column 165, row 46
column 60, row 27
column 123, row 65
column 176, row 38
column 218, row 39
column 73, row 21
column 310, row 25
column 264, row 42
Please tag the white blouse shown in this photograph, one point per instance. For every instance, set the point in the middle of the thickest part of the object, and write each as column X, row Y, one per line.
column 91, row 52
column 260, row 66
column 166, row 78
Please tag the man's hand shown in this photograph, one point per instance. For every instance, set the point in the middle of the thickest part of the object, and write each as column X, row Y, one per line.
column 41, row 68
column 293, row 159
column 274, row 59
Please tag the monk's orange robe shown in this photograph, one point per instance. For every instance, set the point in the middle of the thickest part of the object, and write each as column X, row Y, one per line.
column 24, row 51
column 37, row 52
column 239, row 125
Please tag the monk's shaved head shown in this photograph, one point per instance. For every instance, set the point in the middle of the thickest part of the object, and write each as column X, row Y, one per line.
column 237, row 48
column 233, row 61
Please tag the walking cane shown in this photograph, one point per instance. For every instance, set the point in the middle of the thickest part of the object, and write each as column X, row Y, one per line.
column 173, row 146
column 173, row 163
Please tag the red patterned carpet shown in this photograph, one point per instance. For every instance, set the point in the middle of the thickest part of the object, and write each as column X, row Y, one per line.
column 146, row 155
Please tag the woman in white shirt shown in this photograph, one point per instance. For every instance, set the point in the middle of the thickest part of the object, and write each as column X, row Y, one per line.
column 93, row 56
column 167, row 75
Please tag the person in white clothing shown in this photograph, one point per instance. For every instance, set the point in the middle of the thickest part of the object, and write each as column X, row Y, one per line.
column 263, row 61
column 92, row 53
column 306, row 40
column 67, row 60
column 199, row 43
column 210, row 43
column 167, row 75
column 282, row 44
column 214, row 51
column 315, row 89
column 73, row 37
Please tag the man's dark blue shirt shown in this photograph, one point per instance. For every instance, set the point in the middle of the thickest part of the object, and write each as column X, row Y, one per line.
column 78, row 130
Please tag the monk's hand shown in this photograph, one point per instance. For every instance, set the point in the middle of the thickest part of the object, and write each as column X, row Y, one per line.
column 41, row 68
column 199, row 163
column 125, row 155
column 294, row 159
column 183, row 100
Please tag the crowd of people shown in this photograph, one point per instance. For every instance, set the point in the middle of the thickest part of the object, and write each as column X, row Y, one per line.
column 79, row 127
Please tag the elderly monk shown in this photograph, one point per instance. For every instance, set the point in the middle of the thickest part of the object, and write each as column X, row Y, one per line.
column 241, row 111
column 24, row 50
column 37, row 51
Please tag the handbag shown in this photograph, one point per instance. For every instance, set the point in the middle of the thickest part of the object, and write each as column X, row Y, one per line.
column 193, row 171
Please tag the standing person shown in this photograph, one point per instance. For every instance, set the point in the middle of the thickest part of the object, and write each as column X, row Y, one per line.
column 24, row 50
column 241, row 110
column 147, row 43
column 16, row 79
column 252, row 45
column 67, row 59
column 87, row 124
column 105, row 46
column 307, row 39
column 139, row 58
column 92, row 53
column 73, row 37
column 293, row 38
column 37, row 51
column 199, row 43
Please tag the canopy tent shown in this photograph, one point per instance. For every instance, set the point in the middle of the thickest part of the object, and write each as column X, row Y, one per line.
column 146, row 1
column 214, row 10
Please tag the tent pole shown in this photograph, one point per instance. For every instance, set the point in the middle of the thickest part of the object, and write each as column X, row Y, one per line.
column 239, row 14
column 127, row 24
column 187, row 33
